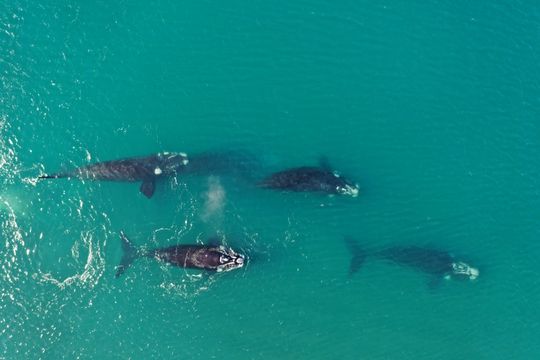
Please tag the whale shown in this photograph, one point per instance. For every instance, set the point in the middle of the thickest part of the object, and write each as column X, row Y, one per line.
column 144, row 169
column 239, row 164
column 211, row 258
column 310, row 179
column 437, row 264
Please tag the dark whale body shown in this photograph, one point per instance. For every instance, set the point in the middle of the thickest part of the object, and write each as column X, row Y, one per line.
column 429, row 261
column 146, row 169
column 237, row 163
column 310, row 178
column 436, row 263
column 205, row 257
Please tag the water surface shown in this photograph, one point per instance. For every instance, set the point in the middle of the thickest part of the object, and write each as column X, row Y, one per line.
column 431, row 108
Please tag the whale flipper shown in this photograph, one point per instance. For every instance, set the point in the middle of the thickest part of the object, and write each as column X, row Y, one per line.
column 130, row 254
column 358, row 255
column 148, row 187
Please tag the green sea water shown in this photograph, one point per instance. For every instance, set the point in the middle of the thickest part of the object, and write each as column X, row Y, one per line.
column 432, row 107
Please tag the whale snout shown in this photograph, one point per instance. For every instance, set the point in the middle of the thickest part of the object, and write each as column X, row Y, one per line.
column 464, row 270
column 474, row 273
column 230, row 260
column 351, row 190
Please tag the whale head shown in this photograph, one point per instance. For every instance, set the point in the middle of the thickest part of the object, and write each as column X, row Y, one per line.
column 172, row 161
column 462, row 270
column 229, row 259
column 348, row 189
column 344, row 186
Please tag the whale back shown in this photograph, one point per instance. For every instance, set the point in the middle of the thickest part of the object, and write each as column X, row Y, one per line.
column 302, row 179
column 430, row 261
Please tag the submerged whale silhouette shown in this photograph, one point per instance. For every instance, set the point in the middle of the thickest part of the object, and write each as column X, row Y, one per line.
column 436, row 263
column 146, row 169
column 236, row 163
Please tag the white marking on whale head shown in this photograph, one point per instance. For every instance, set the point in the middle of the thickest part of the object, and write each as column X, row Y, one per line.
column 166, row 153
column 158, row 171
column 182, row 154
column 185, row 161
column 229, row 260
column 351, row 190
column 463, row 269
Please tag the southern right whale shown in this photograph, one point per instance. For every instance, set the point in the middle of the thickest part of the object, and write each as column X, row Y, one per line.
column 436, row 263
column 311, row 178
column 211, row 257
column 145, row 169
column 235, row 163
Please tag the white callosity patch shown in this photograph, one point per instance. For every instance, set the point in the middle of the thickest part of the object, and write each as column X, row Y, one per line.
column 348, row 190
column 158, row 171
column 185, row 160
column 461, row 268
column 229, row 260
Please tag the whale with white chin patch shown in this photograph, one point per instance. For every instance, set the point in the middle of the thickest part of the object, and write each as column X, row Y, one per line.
column 145, row 169
column 311, row 178
column 436, row 263
column 215, row 257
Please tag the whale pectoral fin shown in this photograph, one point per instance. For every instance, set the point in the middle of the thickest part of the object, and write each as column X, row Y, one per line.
column 148, row 187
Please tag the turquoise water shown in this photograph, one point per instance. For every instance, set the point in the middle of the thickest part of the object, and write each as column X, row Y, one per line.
column 431, row 107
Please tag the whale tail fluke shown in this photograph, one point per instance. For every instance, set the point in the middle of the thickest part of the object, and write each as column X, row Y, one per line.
column 358, row 255
column 129, row 255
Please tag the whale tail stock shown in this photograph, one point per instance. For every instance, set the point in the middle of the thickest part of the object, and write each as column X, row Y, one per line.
column 130, row 253
column 358, row 255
